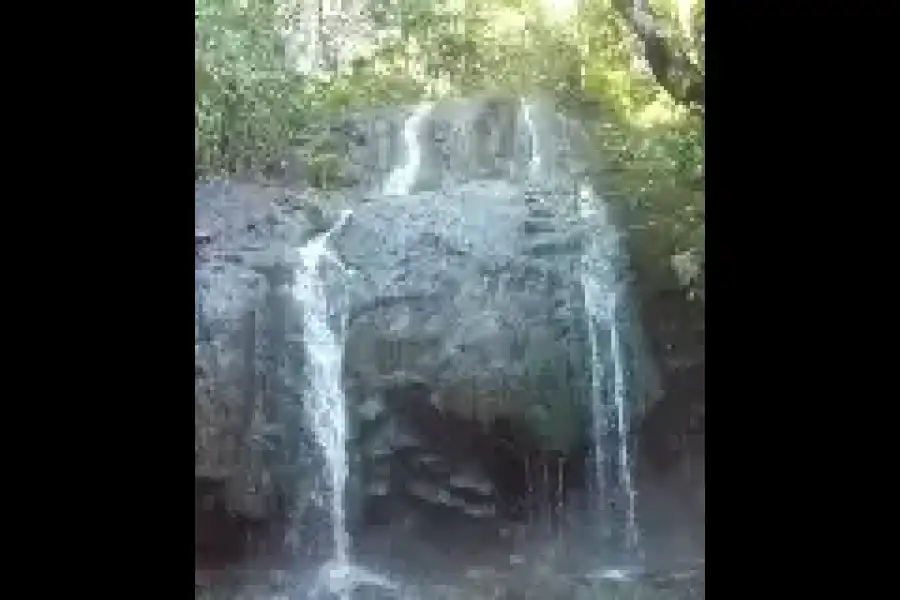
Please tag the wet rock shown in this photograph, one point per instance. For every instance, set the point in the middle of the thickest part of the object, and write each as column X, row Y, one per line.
column 376, row 146
column 471, row 482
column 374, row 592
column 433, row 463
column 434, row 494
column 466, row 307
column 246, row 427
column 450, row 292
column 371, row 409
column 475, row 138
column 388, row 440
column 379, row 488
column 423, row 471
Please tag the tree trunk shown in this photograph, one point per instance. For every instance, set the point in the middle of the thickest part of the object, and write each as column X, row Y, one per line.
column 672, row 68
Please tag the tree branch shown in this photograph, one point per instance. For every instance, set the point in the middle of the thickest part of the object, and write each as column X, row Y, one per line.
column 673, row 69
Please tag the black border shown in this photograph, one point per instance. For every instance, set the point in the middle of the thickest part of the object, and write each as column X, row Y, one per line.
column 106, row 326
column 785, row 85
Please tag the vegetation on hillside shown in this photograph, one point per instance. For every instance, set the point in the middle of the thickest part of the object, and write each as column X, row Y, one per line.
column 636, row 78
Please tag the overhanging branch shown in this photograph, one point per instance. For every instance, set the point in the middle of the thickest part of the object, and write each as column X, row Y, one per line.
column 672, row 68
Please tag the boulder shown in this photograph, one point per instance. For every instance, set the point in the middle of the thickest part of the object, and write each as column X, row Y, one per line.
column 474, row 293
column 248, row 433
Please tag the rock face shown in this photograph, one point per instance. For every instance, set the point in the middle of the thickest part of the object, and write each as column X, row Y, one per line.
column 417, row 462
column 474, row 139
column 466, row 357
column 670, row 429
column 474, row 294
column 466, row 309
column 671, row 436
column 247, row 430
column 353, row 153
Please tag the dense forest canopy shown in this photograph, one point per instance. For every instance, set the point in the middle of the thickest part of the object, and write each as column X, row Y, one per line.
column 269, row 73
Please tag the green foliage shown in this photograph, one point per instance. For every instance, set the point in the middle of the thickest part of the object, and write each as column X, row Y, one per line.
column 652, row 146
column 658, row 172
column 250, row 109
column 244, row 103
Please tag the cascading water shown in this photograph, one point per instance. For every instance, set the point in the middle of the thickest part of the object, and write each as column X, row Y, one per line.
column 609, row 396
column 402, row 179
column 534, row 164
column 324, row 400
column 326, row 405
column 609, row 385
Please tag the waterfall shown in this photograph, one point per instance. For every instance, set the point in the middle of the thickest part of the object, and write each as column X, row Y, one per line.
column 610, row 393
column 611, row 464
column 324, row 401
column 402, row 179
column 534, row 164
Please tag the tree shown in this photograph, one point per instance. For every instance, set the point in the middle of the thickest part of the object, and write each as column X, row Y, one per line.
column 640, row 62
column 672, row 65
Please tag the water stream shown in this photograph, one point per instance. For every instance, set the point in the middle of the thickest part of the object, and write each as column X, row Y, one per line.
column 609, row 383
column 611, row 471
column 325, row 403
column 534, row 164
column 402, row 179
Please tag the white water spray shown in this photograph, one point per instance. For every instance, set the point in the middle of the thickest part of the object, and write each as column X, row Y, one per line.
column 324, row 401
column 592, row 298
column 619, row 384
column 602, row 297
column 534, row 165
column 326, row 406
column 402, row 179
